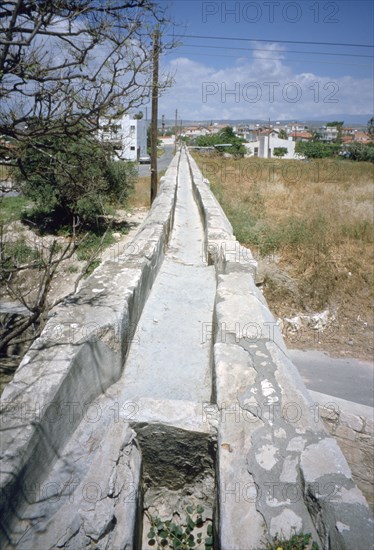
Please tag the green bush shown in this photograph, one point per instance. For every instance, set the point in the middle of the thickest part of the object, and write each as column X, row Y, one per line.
column 360, row 151
column 226, row 135
column 16, row 253
column 317, row 149
column 92, row 243
column 121, row 177
column 280, row 151
column 12, row 208
column 68, row 177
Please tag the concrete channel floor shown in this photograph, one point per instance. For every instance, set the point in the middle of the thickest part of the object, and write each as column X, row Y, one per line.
column 167, row 360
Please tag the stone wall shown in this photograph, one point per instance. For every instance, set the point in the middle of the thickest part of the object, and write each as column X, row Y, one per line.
column 352, row 425
column 278, row 469
column 79, row 355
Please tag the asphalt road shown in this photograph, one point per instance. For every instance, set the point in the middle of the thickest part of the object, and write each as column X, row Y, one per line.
column 162, row 163
column 350, row 379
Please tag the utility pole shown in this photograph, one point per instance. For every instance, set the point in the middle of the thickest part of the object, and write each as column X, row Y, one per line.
column 175, row 130
column 156, row 51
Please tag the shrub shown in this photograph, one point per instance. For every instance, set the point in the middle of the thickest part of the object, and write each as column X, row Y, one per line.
column 228, row 136
column 67, row 177
column 360, row 151
column 317, row 149
column 280, row 151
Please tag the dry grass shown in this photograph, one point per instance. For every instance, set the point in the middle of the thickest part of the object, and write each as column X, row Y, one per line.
column 4, row 172
column 141, row 195
column 142, row 192
column 316, row 218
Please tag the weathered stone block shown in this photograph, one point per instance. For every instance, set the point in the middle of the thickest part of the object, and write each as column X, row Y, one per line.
column 352, row 421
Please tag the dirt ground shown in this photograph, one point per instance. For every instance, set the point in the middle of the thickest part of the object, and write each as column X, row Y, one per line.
column 344, row 329
column 65, row 279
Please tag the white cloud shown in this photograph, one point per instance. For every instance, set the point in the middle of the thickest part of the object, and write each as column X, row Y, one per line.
column 260, row 88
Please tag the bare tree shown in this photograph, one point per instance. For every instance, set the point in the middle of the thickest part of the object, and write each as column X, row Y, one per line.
column 15, row 277
column 34, row 301
column 67, row 63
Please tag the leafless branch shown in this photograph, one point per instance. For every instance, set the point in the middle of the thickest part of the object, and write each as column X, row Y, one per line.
column 71, row 62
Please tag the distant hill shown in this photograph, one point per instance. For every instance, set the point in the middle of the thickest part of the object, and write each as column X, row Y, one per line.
column 348, row 119
column 359, row 120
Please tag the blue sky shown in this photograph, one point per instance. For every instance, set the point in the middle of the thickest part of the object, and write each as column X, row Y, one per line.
column 251, row 69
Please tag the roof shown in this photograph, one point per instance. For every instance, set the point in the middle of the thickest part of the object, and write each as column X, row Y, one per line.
column 302, row 135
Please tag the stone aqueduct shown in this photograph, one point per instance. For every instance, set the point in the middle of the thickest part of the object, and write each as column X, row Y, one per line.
column 147, row 390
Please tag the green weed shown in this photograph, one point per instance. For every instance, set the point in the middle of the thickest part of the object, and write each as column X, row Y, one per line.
column 178, row 536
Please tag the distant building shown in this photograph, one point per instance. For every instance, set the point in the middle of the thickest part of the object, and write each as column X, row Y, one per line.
column 349, row 131
column 301, row 136
column 328, row 133
column 296, row 127
column 346, row 135
column 195, row 131
column 167, row 140
column 267, row 141
column 127, row 135
column 247, row 133
column 362, row 137
column 216, row 128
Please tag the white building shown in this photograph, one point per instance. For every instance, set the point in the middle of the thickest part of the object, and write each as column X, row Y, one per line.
column 167, row 140
column 295, row 127
column 328, row 133
column 265, row 145
column 195, row 131
column 127, row 135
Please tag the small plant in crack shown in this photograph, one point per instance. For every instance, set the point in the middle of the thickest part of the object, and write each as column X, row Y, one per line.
column 193, row 532
column 301, row 541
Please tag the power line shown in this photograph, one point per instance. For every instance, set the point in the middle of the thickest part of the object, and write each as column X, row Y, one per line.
column 272, row 40
column 279, row 59
column 281, row 51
